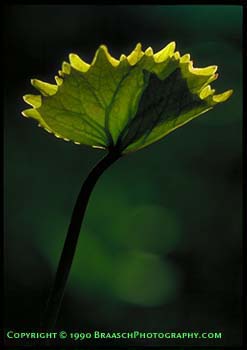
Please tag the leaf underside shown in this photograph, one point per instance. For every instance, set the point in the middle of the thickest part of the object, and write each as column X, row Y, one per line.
column 127, row 103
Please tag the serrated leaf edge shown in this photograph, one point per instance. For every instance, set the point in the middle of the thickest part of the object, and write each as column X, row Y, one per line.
column 136, row 57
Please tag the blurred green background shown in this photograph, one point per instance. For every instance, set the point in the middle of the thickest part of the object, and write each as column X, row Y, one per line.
column 160, row 249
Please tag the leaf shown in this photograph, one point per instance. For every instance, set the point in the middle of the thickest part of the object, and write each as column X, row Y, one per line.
column 127, row 103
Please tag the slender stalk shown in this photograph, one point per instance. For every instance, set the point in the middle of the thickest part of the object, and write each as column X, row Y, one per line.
column 66, row 259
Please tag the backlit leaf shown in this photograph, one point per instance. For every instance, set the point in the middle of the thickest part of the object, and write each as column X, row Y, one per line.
column 127, row 103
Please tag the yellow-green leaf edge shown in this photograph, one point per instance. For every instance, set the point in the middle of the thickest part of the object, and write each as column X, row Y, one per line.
column 161, row 63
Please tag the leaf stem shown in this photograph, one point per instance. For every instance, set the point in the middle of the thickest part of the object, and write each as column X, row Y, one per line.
column 66, row 259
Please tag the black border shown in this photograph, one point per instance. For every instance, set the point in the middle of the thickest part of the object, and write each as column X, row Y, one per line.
column 243, row 4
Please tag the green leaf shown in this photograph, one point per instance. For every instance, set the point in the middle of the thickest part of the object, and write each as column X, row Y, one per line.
column 127, row 103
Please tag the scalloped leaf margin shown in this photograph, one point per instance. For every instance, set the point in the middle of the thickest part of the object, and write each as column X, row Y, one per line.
column 101, row 126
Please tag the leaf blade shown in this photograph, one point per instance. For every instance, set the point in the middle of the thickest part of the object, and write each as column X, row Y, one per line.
column 127, row 103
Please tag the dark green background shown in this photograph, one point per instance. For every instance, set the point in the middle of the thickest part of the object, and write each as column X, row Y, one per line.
column 161, row 245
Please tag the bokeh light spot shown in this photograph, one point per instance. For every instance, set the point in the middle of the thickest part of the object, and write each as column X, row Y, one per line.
column 144, row 279
column 151, row 228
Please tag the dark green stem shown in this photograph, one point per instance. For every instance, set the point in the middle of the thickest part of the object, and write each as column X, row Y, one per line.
column 66, row 259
